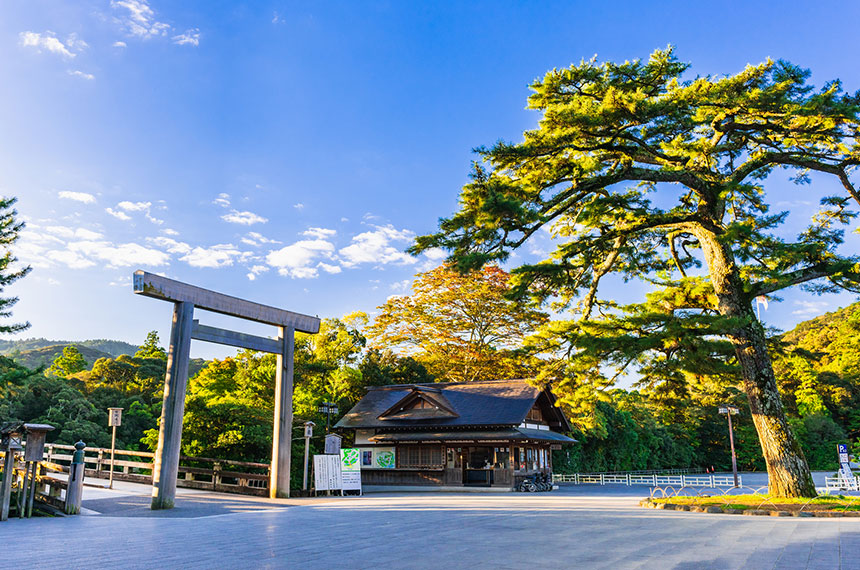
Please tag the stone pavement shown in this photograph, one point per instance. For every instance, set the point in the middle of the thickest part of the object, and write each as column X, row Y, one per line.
column 575, row 527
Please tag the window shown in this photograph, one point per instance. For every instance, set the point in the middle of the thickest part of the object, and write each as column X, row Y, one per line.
column 419, row 456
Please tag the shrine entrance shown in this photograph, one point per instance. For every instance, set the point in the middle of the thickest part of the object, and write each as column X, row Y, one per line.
column 185, row 299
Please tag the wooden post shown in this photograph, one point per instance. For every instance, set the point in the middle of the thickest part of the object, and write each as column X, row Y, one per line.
column 166, row 465
column 279, row 474
column 6, row 486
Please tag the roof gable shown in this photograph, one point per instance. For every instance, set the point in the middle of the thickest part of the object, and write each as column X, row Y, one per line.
column 420, row 404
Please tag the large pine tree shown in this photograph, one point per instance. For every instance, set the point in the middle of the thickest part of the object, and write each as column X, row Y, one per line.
column 644, row 174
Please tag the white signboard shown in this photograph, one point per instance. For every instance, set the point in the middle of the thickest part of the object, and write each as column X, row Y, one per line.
column 350, row 469
column 327, row 475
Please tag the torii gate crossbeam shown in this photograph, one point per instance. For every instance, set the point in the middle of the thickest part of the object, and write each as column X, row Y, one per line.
column 185, row 298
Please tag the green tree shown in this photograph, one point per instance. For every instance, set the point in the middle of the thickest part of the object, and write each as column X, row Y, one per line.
column 461, row 327
column 10, row 228
column 643, row 174
column 150, row 347
column 68, row 363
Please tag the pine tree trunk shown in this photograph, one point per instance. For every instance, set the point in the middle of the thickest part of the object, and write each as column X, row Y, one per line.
column 788, row 472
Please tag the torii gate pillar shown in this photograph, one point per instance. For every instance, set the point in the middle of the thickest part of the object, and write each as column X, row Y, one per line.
column 185, row 298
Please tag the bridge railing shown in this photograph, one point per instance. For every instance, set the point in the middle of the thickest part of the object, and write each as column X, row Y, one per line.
column 243, row 477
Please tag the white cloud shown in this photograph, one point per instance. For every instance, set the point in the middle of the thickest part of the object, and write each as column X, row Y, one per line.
column 117, row 214
column 70, row 259
column 328, row 268
column 299, row 206
column 256, row 270
column 139, row 19
column 401, row 285
column 276, row 18
column 256, row 239
column 134, row 206
column 189, row 38
column 319, row 233
column 810, row 308
column 298, row 260
column 244, row 218
column 375, row 247
column 77, row 196
column 119, row 44
column 170, row 245
column 436, row 254
column 47, row 41
column 120, row 255
column 222, row 200
column 81, row 74
column 70, row 233
column 169, row 232
column 221, row 255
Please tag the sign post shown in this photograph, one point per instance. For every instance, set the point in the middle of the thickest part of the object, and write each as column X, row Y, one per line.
column 114, row 421
column 309, row 433
column 729, row 411
column 845, row 473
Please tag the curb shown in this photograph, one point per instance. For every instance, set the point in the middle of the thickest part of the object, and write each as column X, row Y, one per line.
column 648, row 503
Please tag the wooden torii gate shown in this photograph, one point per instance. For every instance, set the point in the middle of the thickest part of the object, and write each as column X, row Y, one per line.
column 185, row 298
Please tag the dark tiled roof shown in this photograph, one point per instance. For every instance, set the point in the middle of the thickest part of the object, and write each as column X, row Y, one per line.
column 493, row 403
column 469, row 435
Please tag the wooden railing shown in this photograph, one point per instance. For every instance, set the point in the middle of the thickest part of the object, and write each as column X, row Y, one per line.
column 243, row 477
column 48, row 489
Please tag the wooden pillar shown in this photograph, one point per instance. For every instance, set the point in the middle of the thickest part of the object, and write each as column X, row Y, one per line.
column 166, row 465
column 279, row 473
column 6, row 485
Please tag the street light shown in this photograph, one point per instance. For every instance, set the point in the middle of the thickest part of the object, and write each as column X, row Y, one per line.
column 327, row 408
column 729, row 411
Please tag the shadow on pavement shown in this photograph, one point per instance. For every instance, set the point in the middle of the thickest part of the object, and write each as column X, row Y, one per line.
column 194, row 506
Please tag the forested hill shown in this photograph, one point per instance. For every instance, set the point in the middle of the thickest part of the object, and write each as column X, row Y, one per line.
column 109, row 347
column 45, row 356
column 833, row 339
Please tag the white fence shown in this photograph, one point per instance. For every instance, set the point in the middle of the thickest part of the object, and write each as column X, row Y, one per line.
column 839, row 483
column 652, row 480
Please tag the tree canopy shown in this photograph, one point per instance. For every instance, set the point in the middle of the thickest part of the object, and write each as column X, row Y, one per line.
column 68, row 363
column 642, row 173
column 459, row 326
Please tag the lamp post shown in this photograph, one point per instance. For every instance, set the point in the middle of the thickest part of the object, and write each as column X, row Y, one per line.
column 729, row 411
column 327, row 408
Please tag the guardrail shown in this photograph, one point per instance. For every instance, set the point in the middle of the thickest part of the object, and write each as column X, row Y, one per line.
column 652, row 480
column 242, row 477
column 839, row 483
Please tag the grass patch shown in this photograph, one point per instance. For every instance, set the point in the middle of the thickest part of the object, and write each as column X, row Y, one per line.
column 767, row 502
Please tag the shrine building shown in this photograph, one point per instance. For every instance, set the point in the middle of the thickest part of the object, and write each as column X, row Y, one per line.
column 489, row 434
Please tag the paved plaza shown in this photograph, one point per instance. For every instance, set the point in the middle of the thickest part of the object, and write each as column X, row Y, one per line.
column 574, row 527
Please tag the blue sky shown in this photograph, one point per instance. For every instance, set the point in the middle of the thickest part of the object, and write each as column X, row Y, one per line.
column 288, row 152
